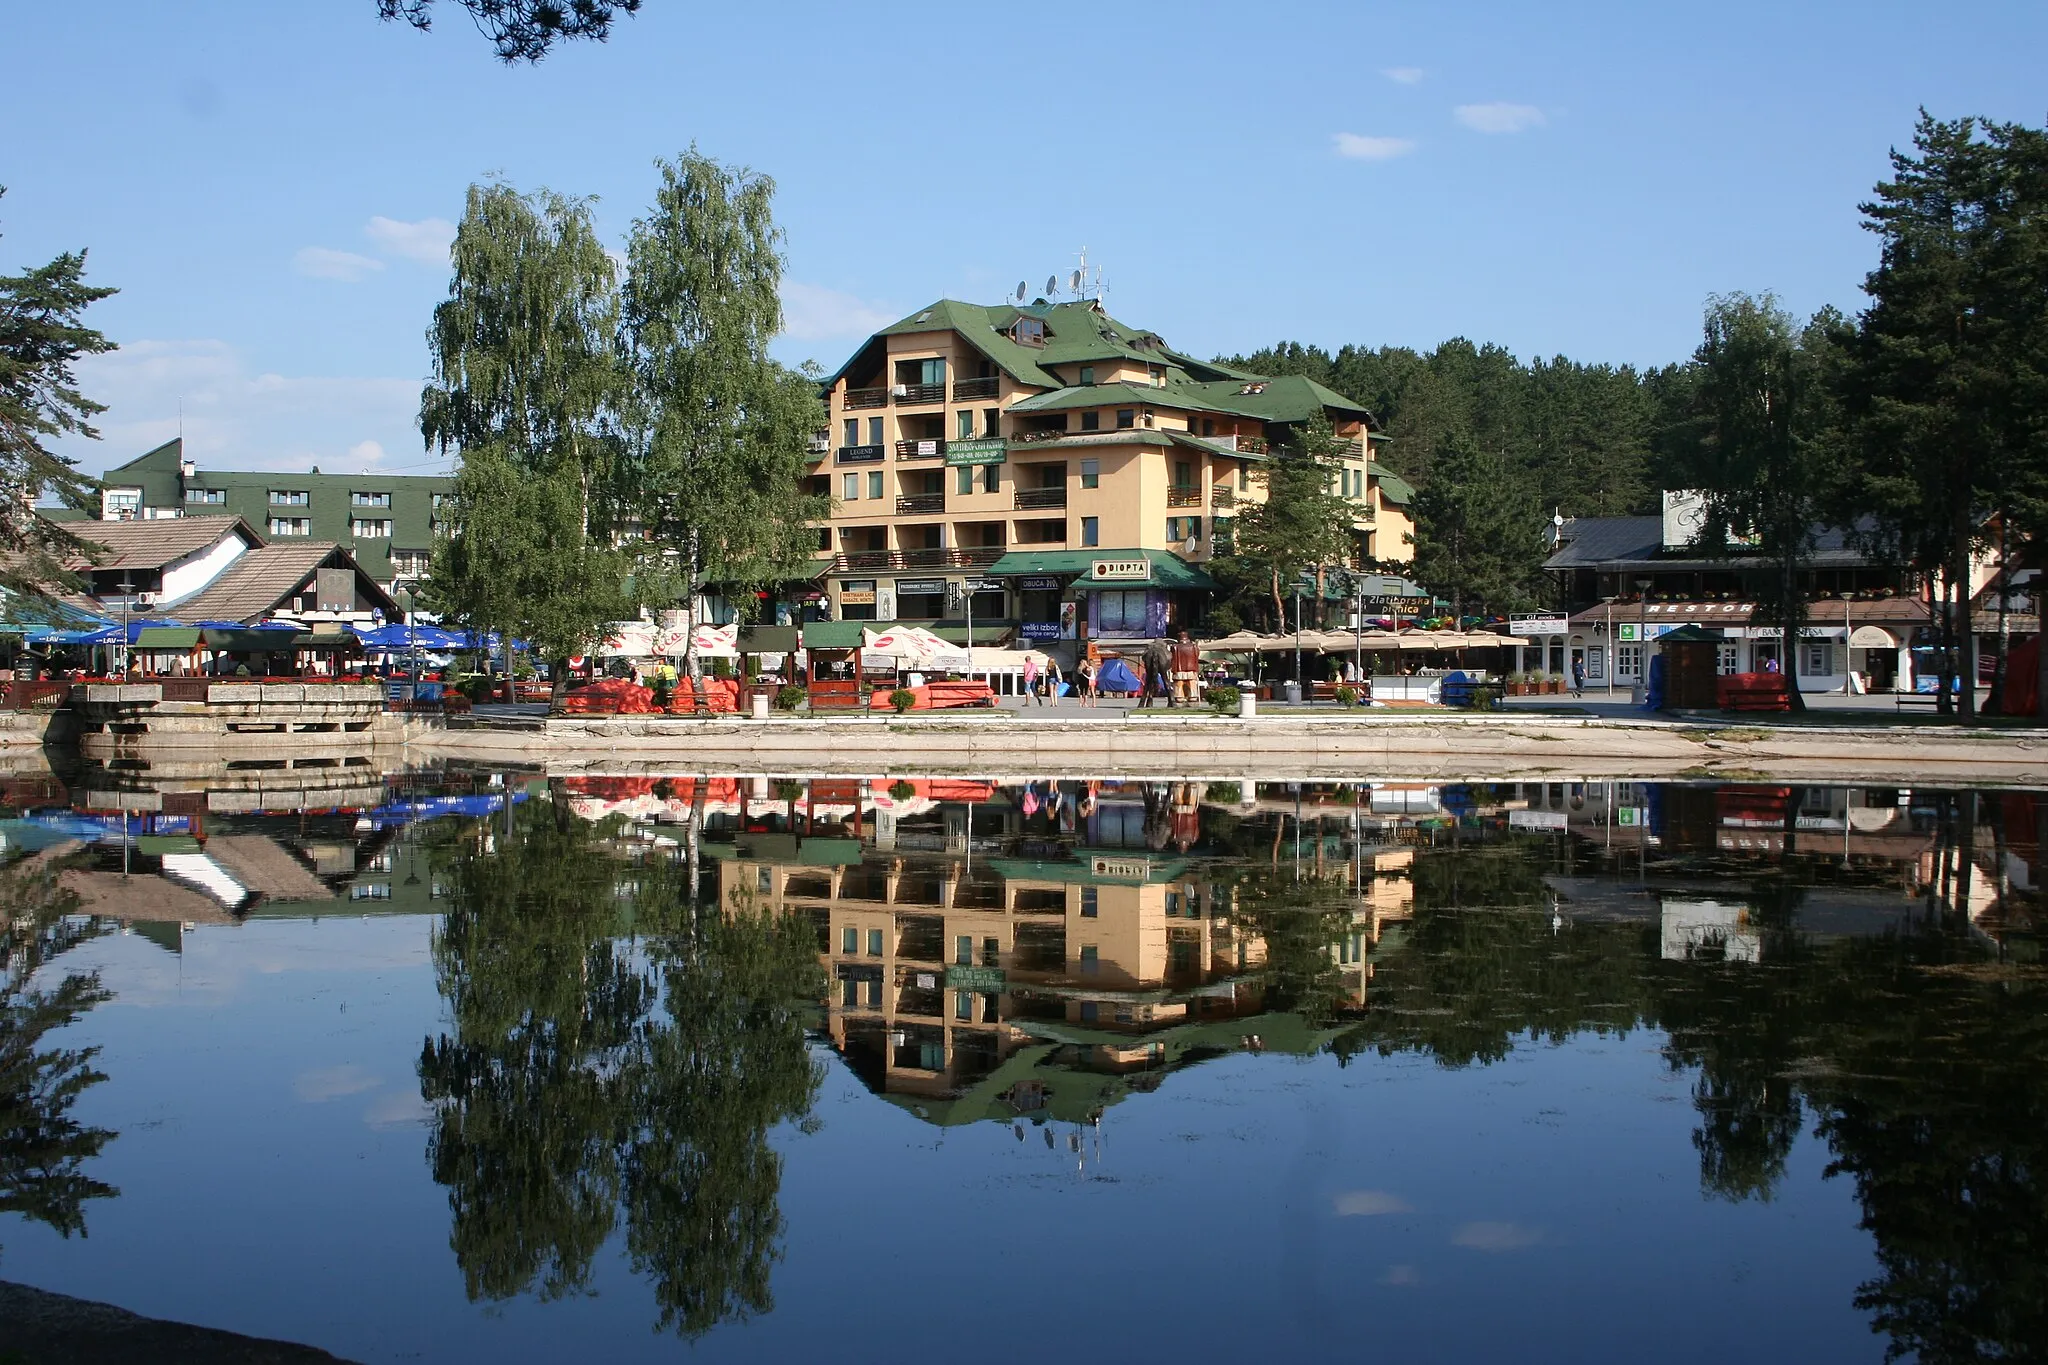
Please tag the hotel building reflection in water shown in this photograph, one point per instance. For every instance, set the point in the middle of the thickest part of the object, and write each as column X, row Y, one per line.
column 1044, row 948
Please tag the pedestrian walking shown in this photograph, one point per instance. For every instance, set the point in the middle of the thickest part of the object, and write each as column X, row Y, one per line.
column 1578, row 675
column 1031, row 680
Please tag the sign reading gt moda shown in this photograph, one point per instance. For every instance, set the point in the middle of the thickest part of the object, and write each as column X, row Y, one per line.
column 981, row 450
column 1121, row 570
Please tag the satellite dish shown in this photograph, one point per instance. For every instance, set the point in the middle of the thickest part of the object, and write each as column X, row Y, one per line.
column 1074, row 281
column 1052, row 284
column 1020, row 291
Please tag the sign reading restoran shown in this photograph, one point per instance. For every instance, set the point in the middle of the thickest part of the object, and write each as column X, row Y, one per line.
column 1121, row 570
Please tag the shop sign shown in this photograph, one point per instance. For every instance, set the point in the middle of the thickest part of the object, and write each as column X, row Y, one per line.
column 982, row 585
column 857, row 598
column 907, row 587
column 1536, row 819
column 1121, row 869
column 1038, row 583
column 1632, row 817
column 980, row 980
column 1538, row 625
column 1040, row 630
column 1394, row 604
column 1121, row 570
column 979, row 450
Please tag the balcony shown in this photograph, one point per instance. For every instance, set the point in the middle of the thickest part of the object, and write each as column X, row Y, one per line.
column 864, row 398
column 971, row 390
column 969, row 557
column 918, row 504
column 1243, row 445
column 1222, row 497
column 919, row 395
column 920, row 450
column 1183, row 497
column 1037, row 499
column 860, row 455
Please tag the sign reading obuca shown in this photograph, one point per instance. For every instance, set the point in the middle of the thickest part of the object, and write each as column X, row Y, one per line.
column 1121, row 569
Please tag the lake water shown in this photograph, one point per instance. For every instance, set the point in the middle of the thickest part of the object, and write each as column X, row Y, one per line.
column 643, row 1067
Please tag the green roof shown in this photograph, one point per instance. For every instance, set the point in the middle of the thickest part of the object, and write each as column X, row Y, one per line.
column 1119, row 394
column 1169, row 570
column 834, row 634
column 1393, row 487
column 1082, row 440
column 1081, row 871
column 167, row 637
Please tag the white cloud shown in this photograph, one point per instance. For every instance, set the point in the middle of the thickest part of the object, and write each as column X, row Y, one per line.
column 1496, row 1236
column 1403, row 75
column 1499, row 117
column 1360, row 147
column 426, row 241
column 397, row 1109
column 235, row 418
column 1367, row 1203
column 316, row 1087
column 325, row 263
column 813, row 313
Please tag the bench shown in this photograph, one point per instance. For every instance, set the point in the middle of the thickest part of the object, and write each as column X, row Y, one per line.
column 1916, row 701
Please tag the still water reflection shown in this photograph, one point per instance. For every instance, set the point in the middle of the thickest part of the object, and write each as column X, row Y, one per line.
column 462, row 1065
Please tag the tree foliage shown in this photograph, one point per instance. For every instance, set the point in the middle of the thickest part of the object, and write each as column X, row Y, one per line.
column 522, row 30
column 1304, row 525
column 1477, row 535
column 42, row 337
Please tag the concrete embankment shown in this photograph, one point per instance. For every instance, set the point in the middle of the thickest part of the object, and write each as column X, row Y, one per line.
column 42, row 1328
column 1431, row 748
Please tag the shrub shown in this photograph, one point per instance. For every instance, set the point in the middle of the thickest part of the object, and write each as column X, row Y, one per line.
column 902, row 790
column 789, row 789
column 902, row 699
column 1224, row 793
column 1222, row 700
column 789, row 697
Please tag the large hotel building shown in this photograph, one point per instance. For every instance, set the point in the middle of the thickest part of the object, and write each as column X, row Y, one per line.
column 1068, row 474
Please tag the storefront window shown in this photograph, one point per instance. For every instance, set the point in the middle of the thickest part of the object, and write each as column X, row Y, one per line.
column 1121, row 612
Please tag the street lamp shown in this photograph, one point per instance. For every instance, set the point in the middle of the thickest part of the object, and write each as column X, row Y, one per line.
column 1642, row 633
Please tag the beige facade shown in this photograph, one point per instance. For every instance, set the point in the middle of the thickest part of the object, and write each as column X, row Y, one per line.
column 959, row 454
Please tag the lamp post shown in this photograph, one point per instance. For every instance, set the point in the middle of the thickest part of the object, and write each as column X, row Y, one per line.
column 1642, row 636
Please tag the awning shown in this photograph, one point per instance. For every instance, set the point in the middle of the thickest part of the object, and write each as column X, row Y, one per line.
column 167, row 637
column 1872, row 637
column 251, row 641
column 834, row 634
column 1105, row 569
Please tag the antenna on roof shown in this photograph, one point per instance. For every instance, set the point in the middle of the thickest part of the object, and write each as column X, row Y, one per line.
column 1074, row 284
column 1021, row 291
column 1052, row 285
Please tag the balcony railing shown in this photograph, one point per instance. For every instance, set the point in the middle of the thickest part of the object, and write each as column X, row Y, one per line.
column 860, row 455
column 1222, row 495
column 1028, row 437
column 1243, row 445
column 919, row 503
column 967, row 390
column 1183, row 497
column 1032, row 499
column 969, row 557
column 920, row 450
column 920, row 395
column 865, row 398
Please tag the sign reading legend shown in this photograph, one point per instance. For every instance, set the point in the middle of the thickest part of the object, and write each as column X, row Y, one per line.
column 1121, row 569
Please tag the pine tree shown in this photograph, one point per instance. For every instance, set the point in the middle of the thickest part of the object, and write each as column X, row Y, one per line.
column 1478, row 535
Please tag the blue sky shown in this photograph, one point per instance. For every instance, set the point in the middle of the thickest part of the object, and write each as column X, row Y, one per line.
column 269, row 182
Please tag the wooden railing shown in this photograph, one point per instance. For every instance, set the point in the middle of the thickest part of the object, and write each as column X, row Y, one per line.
column 1183, row 497
column 1033, row 499
column 865, row 398
column 920, row 395
column 967, row 390
column 1222, row 495
column 928, row 449
column 918, row 504
column 969, row 557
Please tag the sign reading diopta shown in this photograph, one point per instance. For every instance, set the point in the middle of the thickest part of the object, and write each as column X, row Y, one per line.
column 1120, row 570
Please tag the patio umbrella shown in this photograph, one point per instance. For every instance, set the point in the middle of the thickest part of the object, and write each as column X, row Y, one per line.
column 1244, row 642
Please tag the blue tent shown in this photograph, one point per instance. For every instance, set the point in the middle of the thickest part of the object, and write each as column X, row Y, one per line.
column 1116, row 676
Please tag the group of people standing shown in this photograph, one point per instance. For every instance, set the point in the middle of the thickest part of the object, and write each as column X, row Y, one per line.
column 1169, row 669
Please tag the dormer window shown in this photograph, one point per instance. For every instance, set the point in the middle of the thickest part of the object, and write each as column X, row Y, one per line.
column 1028, row 331
column 1087, row 374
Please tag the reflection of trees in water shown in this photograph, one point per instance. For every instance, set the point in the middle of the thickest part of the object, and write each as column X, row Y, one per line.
column 1923, row 1064
column 593, row 1078
column 43, row 1149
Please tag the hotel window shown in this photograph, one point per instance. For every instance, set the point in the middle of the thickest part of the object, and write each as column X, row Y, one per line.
column 963, row 950
column 963, row 1005
column 849, row 940
column 1183, row 528
column 291, row 526
column 1089, row 1011
column 360, row 499
column 1724, row 660
column 963, row 424
column 1090, row 906
column 1628, row 661
column 849, row 992
column 363, row 529
column 764, row 879
column 1091, row 421
column 991, row 952
column 288, row 497
column 1126, row 417
column 849, row 487
column 963, row 478
column 874, row 993
column 1172, row 903
column 1090, row 959
column 852, row 432
column 1244, row 476
column 212, row 496
column 874, row 431
column 1087, row 374
column 874, row 943
column 1091, row 530
column 874, row 483
column 1091, row 473
column 991, row 477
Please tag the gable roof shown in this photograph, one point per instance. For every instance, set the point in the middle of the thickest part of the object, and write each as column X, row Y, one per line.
column 154, row 543
column 253, row 586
